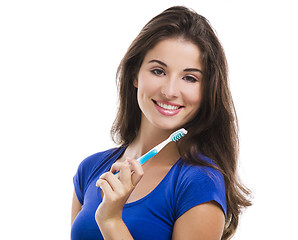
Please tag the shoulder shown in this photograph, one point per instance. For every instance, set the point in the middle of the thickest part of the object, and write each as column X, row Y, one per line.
column 93, row 160
column 198, row 184
column 200, row 174
column 88, row 168
column 91, row 164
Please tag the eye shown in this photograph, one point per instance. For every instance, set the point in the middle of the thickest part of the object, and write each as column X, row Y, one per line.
column 158, row 72
column 190, row 78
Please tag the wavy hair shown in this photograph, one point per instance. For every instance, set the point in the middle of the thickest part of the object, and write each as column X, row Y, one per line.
column 214, row 130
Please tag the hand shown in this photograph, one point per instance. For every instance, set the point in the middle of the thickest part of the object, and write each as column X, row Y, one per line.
column 116, row 190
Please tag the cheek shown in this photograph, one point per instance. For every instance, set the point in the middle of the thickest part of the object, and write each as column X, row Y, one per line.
column 146, row 86
column 193, row 95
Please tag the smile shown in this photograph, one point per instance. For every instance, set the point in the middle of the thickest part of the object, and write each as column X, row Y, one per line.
column 167, row 108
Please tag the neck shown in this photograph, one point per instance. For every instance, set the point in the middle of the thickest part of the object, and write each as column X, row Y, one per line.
column 147, row 138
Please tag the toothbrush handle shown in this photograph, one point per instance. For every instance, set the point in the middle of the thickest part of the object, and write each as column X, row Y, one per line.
column 143, row 158
column 147, row 156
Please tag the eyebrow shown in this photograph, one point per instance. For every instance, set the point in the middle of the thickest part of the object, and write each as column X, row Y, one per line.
column 185, row 70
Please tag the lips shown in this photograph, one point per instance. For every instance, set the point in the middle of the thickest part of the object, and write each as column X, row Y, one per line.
column 166, row 108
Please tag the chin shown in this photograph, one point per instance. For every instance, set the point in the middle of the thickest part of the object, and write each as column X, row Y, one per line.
column 168, row 126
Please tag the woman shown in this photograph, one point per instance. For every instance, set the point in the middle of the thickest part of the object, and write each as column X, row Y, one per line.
column 173, row 75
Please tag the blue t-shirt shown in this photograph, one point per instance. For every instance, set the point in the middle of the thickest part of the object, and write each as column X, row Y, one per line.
column 153, row 216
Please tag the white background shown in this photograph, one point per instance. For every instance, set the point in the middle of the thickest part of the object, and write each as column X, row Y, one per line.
column 58, row 61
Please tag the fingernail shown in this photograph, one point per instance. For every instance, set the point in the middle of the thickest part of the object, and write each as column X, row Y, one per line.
column 127, row 160
column 98, row 183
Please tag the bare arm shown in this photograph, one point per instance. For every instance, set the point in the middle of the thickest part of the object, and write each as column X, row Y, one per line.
column 76, row 207
column 205, row 221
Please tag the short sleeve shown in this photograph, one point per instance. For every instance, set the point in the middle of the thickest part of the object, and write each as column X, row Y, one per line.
column 77, row 185
column 199, row 185
column 89, row 167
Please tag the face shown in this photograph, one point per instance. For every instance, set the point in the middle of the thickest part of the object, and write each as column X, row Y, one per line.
column 169, row 84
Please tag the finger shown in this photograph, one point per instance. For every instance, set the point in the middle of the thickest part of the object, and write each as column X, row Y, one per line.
column 111, row 179
column 124, row 173
column 137, row 171
column 105, row 187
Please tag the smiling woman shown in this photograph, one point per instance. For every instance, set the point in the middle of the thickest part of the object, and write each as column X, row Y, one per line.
column 173, row 75
column 169, row 84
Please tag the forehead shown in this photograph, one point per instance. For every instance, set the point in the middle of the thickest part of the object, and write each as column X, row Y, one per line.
column 176, row 51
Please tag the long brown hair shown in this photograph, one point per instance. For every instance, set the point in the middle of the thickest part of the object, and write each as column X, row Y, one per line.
column 214, row 130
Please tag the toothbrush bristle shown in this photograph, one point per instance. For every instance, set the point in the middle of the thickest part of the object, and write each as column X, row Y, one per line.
column 178, row 134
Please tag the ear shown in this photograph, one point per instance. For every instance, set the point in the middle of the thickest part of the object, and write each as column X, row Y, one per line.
column 135, row 82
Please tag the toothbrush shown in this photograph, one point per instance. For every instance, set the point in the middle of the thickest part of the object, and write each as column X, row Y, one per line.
column 173, row 137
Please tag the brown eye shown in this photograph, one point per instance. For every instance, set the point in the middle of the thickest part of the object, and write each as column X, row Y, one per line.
column 158, row 72
column 190, row 79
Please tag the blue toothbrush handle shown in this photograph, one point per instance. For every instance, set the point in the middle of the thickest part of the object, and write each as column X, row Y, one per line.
column 147, row 156
column 144, row 158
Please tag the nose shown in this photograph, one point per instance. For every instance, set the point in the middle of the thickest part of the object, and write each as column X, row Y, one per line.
column 170, row 88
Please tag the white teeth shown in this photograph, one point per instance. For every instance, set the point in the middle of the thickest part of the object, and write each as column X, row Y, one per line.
column 167, row 107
